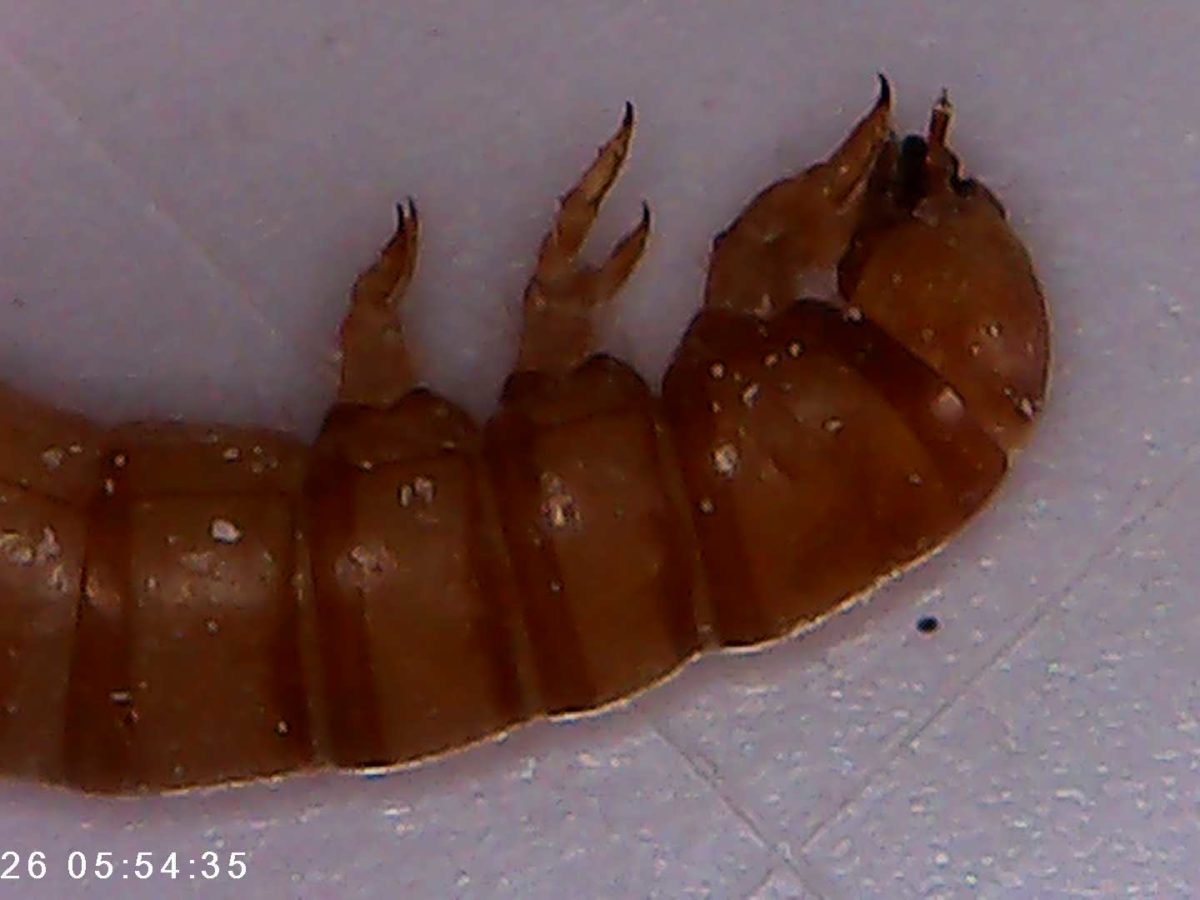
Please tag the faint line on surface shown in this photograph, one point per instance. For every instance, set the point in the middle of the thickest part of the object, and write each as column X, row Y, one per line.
column 1138, row 514
column 155, row 211
column 813, row 880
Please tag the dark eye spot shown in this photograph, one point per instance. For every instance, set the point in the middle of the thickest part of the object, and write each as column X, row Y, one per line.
column 927, row 624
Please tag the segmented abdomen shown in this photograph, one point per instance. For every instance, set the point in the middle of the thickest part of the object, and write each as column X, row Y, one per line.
column 199, row 605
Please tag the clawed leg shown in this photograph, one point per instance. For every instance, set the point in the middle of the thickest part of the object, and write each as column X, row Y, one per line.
column 799, row 226
column 376, row 370
column 557, row 331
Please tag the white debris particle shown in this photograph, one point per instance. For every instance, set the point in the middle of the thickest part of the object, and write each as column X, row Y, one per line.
column 715, row 406
column 365, row 559
column 986, row 563
column 558, row 507
column 528, row 769
column 750, row 394
column 915, row 479
column 110, row 486
column 230, row 454
column 725, row 459
column 16, row 547
column 795, row 348
column 282, row 727
column 927, row 335
column 1075, row 795
column 992, row 329
column 716, row 370
column 853, row 314
column 771, row 359
column 975, row 348
column 1025, row 407
column 151, row 583
column 405, row 495
column 224, row 532
column 120, row 697
column 833, row 425
column 555, row 587
column 706, row 506
column 212, row 626
column 48, row 547
column 75, row 449
column 366, row 465
column 119, row 460
column 52, row 458
column 423, row 488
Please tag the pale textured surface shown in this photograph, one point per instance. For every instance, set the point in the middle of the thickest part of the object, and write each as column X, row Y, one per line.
column 187, row 196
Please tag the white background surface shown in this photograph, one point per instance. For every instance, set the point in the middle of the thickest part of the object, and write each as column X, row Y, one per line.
column 187, row 189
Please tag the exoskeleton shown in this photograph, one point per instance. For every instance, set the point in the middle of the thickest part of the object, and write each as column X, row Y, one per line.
column 184, row 605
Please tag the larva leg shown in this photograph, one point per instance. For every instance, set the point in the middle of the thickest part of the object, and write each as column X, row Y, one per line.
column 376, row 370
column 797, row 227
column 557, row 333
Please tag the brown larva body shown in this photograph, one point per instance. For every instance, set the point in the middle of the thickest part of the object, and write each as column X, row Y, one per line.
column 183, row 605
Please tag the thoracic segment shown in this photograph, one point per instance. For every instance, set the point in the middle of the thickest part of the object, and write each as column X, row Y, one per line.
column 182, row 605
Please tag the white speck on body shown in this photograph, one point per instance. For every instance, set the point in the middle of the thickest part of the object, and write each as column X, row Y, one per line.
column 558, row 507
column 52, row 458
column 725, row 459
column 750, row 394
column 833, row 425
column 230, row 454
column 224, row 532
column 16, row 547
column 716, row 370
column 424, row 488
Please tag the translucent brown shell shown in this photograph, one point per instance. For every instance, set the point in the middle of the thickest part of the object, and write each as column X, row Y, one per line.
column 185, row 605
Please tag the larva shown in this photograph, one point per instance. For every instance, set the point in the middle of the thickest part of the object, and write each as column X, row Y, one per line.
column 188, row 605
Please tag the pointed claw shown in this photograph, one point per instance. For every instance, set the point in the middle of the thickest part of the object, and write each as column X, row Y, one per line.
column 579, row 206
column 557, row 332
column 611, row 277
column 384, row 282
column 939, row 122
column 800, row 226
column 847, row 169
column 376, row 369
